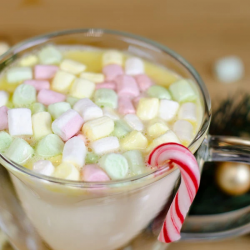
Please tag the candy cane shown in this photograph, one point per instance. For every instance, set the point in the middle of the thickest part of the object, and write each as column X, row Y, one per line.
column 169, row 153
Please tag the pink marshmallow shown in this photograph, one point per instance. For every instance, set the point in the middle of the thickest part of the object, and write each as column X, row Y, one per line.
column 3, row 118
column 126, row 85
column 111, row 71
column 125, row 105
column 48, row 97
column 137, row 99
column 106, row 85
column 93, row 173
column 45, row 71
column 144, row 82
column 38, row 84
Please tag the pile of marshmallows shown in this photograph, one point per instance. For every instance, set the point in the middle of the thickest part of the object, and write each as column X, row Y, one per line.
column 68, row 111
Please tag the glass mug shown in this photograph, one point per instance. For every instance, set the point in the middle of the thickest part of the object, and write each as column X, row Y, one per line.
column 68, row 215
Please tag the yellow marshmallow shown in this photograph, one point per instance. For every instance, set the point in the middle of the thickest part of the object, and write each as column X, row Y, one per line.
column 157, row 128
column 82, row 88
column 62, row 81
column 72, row 66
column 67, row 171
column 41, row 124
column 98, row 128
column 147, row 108
column 93, row 77
column 112, row 57
column 28, row 61
column 134, row 140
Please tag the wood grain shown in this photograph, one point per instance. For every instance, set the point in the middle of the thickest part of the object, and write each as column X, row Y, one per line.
column 200, row 30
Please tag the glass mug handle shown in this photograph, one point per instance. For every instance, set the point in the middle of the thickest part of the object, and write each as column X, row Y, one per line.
column 219, row 149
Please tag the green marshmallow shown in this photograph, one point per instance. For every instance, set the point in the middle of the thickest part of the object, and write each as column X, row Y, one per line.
column 159, row 92
column 49, row 55
column 106, row 98
column 19, row 151
column 182, row 91
column 5, row 140
column 51, row 145
column 24, row 95
column 115, row 165
column 91, row 158
column 37, row 108
column 58, row 109
column 135, row 161
column 72, row 100
column 121, row 129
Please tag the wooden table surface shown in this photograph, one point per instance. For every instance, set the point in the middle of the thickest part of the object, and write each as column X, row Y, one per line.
column 200, row 30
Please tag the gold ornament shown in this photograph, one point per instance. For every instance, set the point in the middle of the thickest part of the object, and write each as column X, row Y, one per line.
column 233, row 178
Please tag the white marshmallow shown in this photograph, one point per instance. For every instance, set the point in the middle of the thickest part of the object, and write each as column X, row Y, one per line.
column 168, row 109
column 72, row 67
column 134, row 66
column 87, row 109
column 134, row 122
column 75, row 152
column 62, row 81
column 20, row 121
column 18, row 74
column 111, row 114
column 44, row 167
column 106, row 145
column 4, row 98
column 229, row 69
column 112, row 57
column 184, row 130
column 188, row 111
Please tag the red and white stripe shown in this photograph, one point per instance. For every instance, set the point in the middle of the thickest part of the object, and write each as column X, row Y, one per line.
column 169, row 153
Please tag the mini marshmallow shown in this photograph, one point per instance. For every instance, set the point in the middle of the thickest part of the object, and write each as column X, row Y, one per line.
column 37, row 107
column 125, row 106
column 82, row 137
column 45, row 71
column 62, row 81
column 24, row 95
column 121, row 129
column 92, row 157
column 126, row 85
column 184, row 130
column 82, row 88
column 112, row 57
column 57, row 109
column 105, row 145
column 115, row 165
column 4, row 47
column 168, row 109
column 19, row 151
column 93, row 77
column 111, row 71
column 229, row 69
column 72, row 100
column 138, row 98
column 67, row 171
column 134, row 66
column 19, row 121
column 144, row 82
column 4, row 98
column 182, row 91
column 98, row 128
column 38, row 84
column 49, row 55
column 49, row 146
column 67, row 125
column 93, row 173
column 135, row 161
column 147, row 108
column 75, row 152
column 88, row 110
column 44, row 167
column 134, row 141
column 106, row 98
column 72, row 66
column 19, row 74
column 5, row 141
column 156, row 128
column 106, row 85
column 41, row 124
column 48, row 97
column 4, row 118
column 134, row 122
column 111, row 113
column 188, row 111
column 159, row 92
column 28, row 61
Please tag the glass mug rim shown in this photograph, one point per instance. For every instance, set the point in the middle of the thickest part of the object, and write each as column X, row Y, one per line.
column 98, row 32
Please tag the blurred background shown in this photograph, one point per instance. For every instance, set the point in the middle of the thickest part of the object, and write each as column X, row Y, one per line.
column 202, row 31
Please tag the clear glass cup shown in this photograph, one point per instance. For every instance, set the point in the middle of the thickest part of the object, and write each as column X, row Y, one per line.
column 62, row 215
